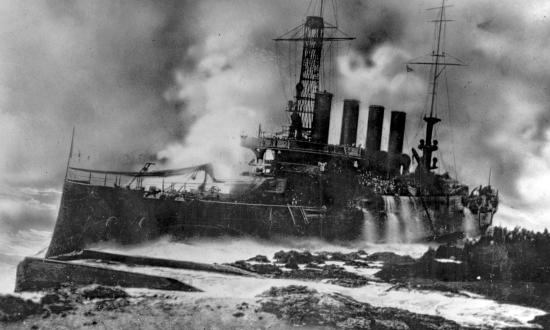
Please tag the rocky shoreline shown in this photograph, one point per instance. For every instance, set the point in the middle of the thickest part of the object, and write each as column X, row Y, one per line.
column 280, row 307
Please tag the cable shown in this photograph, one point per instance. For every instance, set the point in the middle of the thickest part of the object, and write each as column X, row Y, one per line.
column 450, row 126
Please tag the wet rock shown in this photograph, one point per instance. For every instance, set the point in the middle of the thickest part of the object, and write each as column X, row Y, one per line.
column 542, row 320
column 46, row 314
column 60, row 307
column 312, row 265
column 290, row 289
column 300, row 257
column 102, row 292
column 347, row 257
column 242, row 306
column 262, row 269
column 89, row 313
column 259, row 258
column 302, row 306
column 50, row 298
column 390, row 257
column 428, row 266
column 291, row 263
column 356, row 263
column 349, row 282
column 449, row 252
column 111, row 305
column 14, row 308
column 313, row 271
column 335, row 274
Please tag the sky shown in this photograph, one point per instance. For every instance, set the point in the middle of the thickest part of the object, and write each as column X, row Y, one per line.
column 178, row 82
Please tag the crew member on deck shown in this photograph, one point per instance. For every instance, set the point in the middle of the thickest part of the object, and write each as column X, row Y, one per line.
column 295, row 126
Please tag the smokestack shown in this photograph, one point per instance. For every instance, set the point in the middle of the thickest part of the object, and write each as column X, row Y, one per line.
column 374, row 129
column 321, row 117
column 350, row 117
column 397, row 132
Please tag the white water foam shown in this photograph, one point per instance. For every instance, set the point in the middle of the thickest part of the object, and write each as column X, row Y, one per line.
column 392, row 230
column 370, row 228
column 411, row 219
column 469, row 225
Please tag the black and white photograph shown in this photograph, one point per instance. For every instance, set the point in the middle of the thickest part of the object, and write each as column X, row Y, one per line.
column 275, row 164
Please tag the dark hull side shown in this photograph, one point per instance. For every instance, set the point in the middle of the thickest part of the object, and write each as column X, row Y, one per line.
column 89, row 214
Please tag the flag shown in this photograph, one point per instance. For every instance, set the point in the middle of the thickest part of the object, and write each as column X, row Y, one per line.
column 409, row 69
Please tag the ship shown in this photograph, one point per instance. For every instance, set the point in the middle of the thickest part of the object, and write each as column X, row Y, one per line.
column 298, row 184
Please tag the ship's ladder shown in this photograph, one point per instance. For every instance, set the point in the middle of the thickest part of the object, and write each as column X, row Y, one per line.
column 292, row 215
column 306, row 214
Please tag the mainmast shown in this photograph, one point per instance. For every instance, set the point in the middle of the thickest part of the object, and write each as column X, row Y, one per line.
column 438, row 64
column 312, row 37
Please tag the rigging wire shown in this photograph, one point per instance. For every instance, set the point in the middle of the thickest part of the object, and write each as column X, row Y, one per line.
column 450, row 126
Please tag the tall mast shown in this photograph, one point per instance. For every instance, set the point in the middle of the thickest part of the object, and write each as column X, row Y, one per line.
column 312, row 38
column 438, row 64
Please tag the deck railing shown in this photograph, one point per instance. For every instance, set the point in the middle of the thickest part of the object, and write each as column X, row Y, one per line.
column 302, row 146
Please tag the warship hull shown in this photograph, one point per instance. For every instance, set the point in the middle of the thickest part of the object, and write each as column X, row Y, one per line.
column 90, row 214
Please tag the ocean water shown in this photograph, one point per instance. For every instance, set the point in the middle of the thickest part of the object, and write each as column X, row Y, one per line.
column 14, row 247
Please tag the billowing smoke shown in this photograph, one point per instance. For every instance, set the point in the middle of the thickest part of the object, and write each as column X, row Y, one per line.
column 233, row 87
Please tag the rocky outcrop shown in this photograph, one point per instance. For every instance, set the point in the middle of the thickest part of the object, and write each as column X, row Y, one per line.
column 149, row 261
column 314, row 267
column 35, row 274
column 302, row 306
column 15, row 308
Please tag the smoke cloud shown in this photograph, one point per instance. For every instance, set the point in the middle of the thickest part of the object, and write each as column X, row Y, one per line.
column 177, row 82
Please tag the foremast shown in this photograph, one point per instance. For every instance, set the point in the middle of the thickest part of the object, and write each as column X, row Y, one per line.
column 438, row 64
column 312, row 37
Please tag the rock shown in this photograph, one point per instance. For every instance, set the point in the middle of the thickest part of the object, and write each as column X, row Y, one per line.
column 390, row 257
column 305, row 307
column 50, row 298
column 338, row 256
column 312, row 265
column 58, row 308
column 336, row 274
column 356, row 263
column 14, row 308
column 300, row 257
column 542, row 320
column 110, row 305
column 428, row 266
column 286, row 290
column 449, row 252
column 259, row 258
column 263, row 269
column 349, row 282
column 102, row 292
column 46, row 314
column 37, row 274
column 238, row 314
column 89, row 313
column 291, row 263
